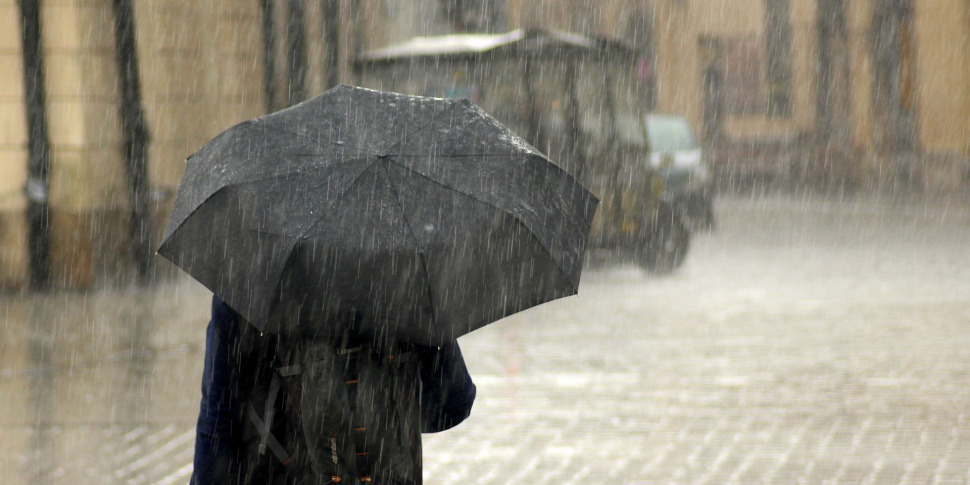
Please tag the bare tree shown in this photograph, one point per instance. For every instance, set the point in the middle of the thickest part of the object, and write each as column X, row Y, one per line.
column 136, row 138
column 267, row 10
column 331, row 32
column 38, row 147
column 296, row 52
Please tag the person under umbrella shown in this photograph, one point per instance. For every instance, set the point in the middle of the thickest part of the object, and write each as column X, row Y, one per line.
column 357, row 235
column 236, row 378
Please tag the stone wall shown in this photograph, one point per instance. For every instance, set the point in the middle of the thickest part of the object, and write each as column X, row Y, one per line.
column 200, row 68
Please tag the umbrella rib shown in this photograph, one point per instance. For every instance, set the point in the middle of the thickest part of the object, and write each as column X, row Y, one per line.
column 532, row 234
column 451, row 107
column 320, row 143
column 244, row 181
column 421, row 256
column 339, row 196
column 439, row 183
column 298, row 136
column 512, row 214
column 346, row 189
column 465, row 155
column 300, row 169
column 354, row 181
column 272, row 175
column 552, row 165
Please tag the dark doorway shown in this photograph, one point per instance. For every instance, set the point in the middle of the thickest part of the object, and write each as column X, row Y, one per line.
column 712, row 78
column 778, row 54
column 833, row 111
column 894, row 77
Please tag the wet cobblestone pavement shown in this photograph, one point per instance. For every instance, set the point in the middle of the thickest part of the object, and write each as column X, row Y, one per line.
column 806, row 340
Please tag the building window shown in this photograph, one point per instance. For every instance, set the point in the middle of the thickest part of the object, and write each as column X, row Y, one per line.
column 742, row 64
column 894, row 76
column 778, row 47
column 475, row 15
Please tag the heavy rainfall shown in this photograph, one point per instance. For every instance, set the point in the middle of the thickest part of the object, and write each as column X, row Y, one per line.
column 775, row 281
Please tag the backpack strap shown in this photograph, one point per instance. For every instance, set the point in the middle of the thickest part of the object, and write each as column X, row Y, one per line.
column 351, row 373
column 264, row 425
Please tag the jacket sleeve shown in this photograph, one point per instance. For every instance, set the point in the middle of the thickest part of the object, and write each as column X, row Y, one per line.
column 213, row 443
column 447, row 390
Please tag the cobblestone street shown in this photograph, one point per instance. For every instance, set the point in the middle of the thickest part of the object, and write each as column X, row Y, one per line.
column 805, row 340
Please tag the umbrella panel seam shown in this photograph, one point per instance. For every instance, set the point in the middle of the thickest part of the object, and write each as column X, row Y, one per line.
column 318, row 143
column 452, row 106
column 420, row 250
column 303, row 169
column 511, row 214
column 337, row 199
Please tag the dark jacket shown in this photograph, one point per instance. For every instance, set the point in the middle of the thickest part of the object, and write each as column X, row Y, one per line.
column 429, row 387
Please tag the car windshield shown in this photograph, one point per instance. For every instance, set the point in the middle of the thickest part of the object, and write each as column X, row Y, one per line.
column 669, row 133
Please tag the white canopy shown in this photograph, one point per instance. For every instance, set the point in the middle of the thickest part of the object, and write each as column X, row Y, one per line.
column 472, row 44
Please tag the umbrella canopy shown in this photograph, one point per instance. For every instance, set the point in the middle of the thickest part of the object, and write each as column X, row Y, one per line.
column 416, row 217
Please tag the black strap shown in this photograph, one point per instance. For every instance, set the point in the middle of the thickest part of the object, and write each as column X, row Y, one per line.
column 264, row 425
column 351, row 374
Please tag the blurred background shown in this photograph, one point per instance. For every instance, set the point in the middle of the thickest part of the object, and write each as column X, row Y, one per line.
column 829, row 139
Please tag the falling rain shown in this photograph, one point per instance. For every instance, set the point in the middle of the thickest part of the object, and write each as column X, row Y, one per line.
column 774, row 288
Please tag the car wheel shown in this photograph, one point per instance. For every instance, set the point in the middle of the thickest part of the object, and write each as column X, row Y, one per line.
column 667, row 245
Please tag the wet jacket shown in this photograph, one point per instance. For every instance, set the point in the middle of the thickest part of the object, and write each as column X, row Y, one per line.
column 390, row 397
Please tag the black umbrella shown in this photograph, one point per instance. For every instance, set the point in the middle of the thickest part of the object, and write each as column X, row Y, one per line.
column 423, row 218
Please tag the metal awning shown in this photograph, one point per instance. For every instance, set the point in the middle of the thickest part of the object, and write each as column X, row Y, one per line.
column 515, row 43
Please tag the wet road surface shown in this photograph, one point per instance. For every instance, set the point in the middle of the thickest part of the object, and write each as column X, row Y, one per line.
column 806, row 340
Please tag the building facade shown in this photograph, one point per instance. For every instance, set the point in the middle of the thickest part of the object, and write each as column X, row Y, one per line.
column 862, row 93
column 852, row 93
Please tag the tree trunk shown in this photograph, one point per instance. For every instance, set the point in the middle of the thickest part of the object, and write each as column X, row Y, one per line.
column 136, row 138
column 267, row 10
column 296, row 51
column 38, row 148
column 331, row 32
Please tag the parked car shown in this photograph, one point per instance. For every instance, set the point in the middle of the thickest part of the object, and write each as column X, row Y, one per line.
column 679, row 160
column 575, row 97
column 662, row 161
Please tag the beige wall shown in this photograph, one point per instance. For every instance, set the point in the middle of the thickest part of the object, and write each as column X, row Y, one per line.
column 942, row 37
column 859, row 21
column 678, row 61
column 680, row 26
column 13, row 153
column 200, row 73
column 86, row 167
column 943, row 81
column 804, row 66
column 13, row 128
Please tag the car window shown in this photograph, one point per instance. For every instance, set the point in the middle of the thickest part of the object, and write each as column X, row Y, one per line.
column 669, row 133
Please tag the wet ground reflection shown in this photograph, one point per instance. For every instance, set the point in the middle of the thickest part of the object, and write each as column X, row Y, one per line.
column 807, row 340
column 95, row 385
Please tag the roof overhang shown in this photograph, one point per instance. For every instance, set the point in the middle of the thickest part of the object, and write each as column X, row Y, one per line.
column 514, row 44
